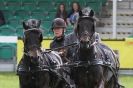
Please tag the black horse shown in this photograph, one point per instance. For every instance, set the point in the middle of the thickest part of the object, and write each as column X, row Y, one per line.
column 96, row 64
column 39, row 68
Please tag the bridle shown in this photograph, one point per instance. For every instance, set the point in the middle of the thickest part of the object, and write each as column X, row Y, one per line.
column 85, row 33
column 90, row 42
column 39, row 52
column 27, row 53
column 33, row 29
column 35, row 46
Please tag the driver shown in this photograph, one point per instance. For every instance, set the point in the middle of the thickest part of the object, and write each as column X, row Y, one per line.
column 58, row 28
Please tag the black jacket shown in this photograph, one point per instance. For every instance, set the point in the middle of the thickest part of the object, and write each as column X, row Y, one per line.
column 57, row 43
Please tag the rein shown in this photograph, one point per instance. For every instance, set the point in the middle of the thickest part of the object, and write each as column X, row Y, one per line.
column 70, row 64
column 62, row 47
column 76, row 64
column 40, row 56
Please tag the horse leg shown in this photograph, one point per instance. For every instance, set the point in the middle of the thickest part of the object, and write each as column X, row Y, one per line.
column 101, row 84
column 24, row 81
column 98, row 85
column 95, row 77
column 110, row 83
column 63, row 84
column 42, row 80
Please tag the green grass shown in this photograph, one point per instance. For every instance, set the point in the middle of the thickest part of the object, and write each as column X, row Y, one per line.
column 126, row 81
column 10, row 80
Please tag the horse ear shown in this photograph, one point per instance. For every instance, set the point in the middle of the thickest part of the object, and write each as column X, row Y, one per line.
column 39, row 23
column 93, row 28
column 24, row 25
column 80, row 14
column 41, row 37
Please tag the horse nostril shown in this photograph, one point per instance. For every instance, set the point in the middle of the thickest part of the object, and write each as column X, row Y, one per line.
column 85, row 34
column 85, row 38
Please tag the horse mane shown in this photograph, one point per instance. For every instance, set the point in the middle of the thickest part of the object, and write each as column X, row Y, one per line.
column 34, row 29
column 86, row 17
column 37, row 30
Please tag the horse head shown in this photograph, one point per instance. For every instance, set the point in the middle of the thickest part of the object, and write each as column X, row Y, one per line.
column 85, row 30
column 32, row 39
column 32, row 42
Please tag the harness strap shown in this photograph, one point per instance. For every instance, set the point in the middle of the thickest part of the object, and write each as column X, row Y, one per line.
column 86, row 63
column 46, row 59
column 115, row 75
column 60, row 78
column 111, row 67
column 66, row 72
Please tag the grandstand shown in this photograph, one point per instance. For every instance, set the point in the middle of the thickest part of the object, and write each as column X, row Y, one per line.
column 124, row 20
column 16, row 11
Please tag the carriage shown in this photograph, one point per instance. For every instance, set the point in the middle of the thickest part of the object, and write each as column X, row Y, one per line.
column 94, row 66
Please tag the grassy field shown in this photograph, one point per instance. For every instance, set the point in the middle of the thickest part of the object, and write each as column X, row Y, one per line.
column 126, row 81
column 10, row 80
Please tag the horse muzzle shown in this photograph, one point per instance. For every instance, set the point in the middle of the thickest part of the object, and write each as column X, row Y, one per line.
column 84, row 45
column 34, row 47
column 35, row 52
column 85, row 39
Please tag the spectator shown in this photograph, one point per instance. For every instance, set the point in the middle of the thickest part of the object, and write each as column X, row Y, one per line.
column 61, row 12
column 2, row 19
column 74, row 13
